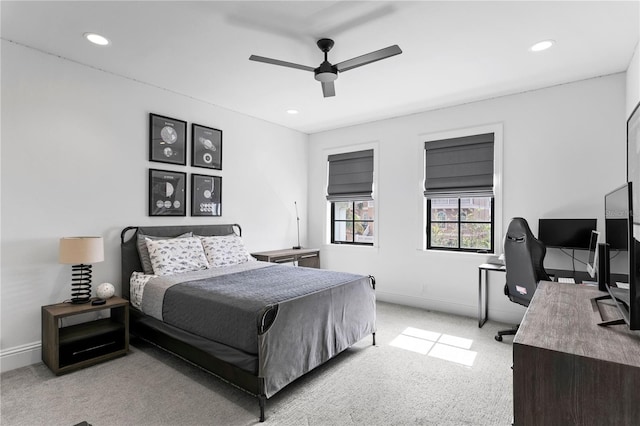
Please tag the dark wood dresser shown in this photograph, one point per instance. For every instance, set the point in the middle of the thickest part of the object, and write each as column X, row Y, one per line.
column 568, row 370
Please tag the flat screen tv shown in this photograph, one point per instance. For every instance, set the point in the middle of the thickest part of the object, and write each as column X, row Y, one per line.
column 566, row 233
column 623, row 284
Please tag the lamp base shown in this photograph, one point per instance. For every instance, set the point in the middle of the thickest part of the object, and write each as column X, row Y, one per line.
column 80, row 284
column 296, row 247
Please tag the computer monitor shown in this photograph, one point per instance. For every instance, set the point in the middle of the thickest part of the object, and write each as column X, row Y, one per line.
column 566, row 233
column 592, row 263
column 623, row 283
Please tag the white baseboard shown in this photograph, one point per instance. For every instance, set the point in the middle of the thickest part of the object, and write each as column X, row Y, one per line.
column 20, row 356
column 507, row 317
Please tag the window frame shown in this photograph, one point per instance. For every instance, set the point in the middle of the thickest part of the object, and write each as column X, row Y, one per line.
column 352, row 221
column 459, row 223
column 421, row 201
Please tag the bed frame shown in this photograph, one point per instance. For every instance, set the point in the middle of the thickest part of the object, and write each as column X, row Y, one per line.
column 178, row 342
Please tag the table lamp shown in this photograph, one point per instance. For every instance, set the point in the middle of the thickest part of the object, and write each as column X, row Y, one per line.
column 81, row 252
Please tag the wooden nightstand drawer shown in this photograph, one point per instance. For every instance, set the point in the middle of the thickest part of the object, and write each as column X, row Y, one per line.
column 89, row 340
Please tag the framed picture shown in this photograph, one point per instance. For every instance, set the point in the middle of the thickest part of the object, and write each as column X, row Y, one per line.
column 167, row 140
column 206, row 195
column 167, row 193
column 206, row 147
column 633, row 164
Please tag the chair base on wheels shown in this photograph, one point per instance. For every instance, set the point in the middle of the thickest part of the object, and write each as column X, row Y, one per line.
column 509, row 332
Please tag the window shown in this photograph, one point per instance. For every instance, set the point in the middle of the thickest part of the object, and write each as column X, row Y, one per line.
column 350, row 192
column 460, row 223
column 459, row 192
column 352, row 222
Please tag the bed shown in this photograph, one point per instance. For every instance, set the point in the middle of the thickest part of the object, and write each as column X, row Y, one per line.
column 256, row 325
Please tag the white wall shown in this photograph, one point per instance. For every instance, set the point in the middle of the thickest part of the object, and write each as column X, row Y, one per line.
column 74, row 162
column 564, row 148
column 633, row 81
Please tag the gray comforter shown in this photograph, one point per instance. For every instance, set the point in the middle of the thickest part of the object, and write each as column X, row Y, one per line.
column 208, row 306
column 320, row 313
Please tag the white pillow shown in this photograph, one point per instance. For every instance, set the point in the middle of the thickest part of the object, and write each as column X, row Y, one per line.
column 225, row 250
column 169, row 257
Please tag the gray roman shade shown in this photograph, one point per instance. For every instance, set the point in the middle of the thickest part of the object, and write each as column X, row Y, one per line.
column 351, row 176
column 459, row 167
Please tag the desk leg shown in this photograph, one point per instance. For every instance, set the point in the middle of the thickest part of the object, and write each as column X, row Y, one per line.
column 486, row 296
column 483, row 318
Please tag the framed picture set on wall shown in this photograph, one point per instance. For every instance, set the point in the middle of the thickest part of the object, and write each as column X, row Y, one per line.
column 167, row 193
column 206, row 195
column 167, row 140
column 206, row 147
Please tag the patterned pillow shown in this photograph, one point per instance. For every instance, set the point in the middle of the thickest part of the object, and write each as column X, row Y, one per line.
column 144, row 253
column 136, row 287
column 169, row 257
column 225, row 250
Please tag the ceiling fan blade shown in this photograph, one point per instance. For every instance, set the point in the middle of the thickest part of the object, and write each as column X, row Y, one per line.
column 281, row 63
column 387, row 52
column 328, row 89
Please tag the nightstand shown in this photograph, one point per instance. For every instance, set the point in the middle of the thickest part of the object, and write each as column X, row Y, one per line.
column 309, row 258
column 68, row 348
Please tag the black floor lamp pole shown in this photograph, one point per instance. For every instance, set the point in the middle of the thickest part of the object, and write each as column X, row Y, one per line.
column 298, row 247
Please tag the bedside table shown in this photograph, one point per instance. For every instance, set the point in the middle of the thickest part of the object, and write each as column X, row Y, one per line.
column 69, row 348
column 309, row 258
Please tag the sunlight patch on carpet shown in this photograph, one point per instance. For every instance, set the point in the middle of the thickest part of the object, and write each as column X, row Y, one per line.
column 442, row 346
column 412, row 344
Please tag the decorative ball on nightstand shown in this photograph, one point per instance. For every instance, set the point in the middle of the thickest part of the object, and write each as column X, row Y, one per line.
column 105, row 290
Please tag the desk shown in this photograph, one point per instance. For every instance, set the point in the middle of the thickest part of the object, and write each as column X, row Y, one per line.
column 578, row 276
column 309, row 258
column 484, row 270
column 567, row 370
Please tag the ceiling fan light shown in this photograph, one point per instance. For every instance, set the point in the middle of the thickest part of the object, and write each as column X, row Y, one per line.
column 326, row 77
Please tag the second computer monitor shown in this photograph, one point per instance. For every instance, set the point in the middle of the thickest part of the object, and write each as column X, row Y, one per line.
column 592, row 263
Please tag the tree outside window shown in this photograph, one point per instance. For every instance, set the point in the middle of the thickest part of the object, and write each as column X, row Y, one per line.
column 463, row 224
column 352, row 222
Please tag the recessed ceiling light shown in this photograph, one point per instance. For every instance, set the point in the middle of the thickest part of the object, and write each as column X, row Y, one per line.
column 96, row 39
column 542, row 45
column 292, row 111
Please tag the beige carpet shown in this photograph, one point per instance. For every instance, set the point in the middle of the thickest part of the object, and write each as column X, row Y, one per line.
column 454, row 374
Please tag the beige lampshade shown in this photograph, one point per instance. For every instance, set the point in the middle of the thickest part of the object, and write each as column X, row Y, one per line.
column 81, row 250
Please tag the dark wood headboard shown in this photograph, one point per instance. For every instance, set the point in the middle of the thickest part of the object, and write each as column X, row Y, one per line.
column 129, row 249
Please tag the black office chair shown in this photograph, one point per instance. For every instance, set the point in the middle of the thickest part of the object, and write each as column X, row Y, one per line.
column 523, row 258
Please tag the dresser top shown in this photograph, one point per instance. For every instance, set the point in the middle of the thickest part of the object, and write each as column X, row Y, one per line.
column 564, row 317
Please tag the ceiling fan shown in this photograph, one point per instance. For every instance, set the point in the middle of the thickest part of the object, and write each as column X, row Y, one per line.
column 327, row 73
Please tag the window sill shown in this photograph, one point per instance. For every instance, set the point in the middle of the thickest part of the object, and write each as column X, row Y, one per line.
column 456, row 253
column 348, row 247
